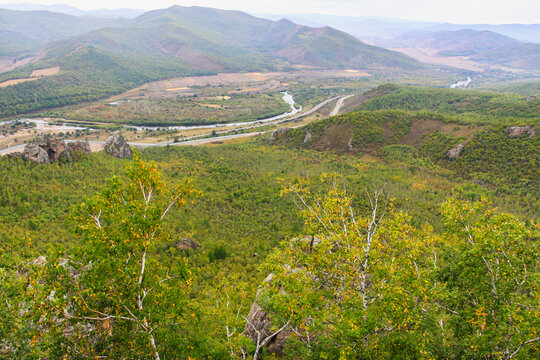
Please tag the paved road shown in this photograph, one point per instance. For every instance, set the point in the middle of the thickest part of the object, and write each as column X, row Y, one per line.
column 339, row 104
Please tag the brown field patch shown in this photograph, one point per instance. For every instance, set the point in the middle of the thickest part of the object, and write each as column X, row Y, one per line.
column 422, row 127
column 354, row 73
column 15, row 81
column 45, row 72
column 245, row 90
column 218, row 98
column 36, row 74
column 430, row 56
column 215, row 106
column 178, row 88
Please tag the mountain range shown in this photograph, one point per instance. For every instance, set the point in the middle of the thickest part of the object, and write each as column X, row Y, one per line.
column 375, row 29
column 25, row 31
column 480, row 46
column 203, row 38
column 70, row 10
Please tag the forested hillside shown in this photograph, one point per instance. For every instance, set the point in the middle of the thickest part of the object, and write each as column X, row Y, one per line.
column 241, row 188
column 86, row 74
column 32, row 29
column 239, row 219
column 467, row 107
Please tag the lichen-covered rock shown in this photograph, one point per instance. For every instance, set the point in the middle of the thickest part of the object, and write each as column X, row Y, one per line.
column 455, row 152
column 185, row 244
column 35, row 153
column 117, row 146
column 46, row 151
column 258, row 325
column 277, row 133
column 515, row 131
column 82, row 146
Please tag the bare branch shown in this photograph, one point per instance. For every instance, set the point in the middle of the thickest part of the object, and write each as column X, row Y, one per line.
column 521, row 346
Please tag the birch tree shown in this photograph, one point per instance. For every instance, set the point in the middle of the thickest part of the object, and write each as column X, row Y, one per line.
column 357, row 281
column 492, row 282
column 114, row 298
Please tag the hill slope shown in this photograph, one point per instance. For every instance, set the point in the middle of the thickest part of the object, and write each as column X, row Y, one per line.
column 455, row 105
column 493, row 153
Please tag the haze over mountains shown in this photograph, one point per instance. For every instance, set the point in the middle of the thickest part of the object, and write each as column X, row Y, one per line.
column 481, row 46
column 375, row 29
column 70, row 10
column 204, row 38
column 27, row 30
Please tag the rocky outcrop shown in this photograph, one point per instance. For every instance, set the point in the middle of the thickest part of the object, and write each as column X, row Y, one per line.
column 46, row 151
column 35, row 153
column 308, row 137
column 82, row 146
column 350, row 145
column 185, row 244
column 117, row 146
column 277, row 133
column 258, row 324
column 455, row 152
column 516, row 131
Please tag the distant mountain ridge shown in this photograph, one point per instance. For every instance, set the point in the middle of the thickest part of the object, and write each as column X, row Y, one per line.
column 481, row 46
column 224, row 40
column 375, row 29
column 70, row 10
column 521, row 32
column 28, row 30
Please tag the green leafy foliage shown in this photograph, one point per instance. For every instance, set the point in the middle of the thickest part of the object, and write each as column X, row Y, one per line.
column 112, row 297
column 243, row 216
column 491, row 282
column 373, row 287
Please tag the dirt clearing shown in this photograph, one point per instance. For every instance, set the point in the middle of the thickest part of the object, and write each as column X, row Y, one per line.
column 45, row 72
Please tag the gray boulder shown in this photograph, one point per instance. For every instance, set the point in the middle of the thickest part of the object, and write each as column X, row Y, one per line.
column 46, row 151
column 82, row 146
column 258, row 325
column 515, row 131
column 117, row 146
column 308, row 137
column 185, row 244
column 455, row 152
column 35, row 153
column 277, row 133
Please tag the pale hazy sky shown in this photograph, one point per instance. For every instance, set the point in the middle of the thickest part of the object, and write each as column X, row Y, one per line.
column 455, row 11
